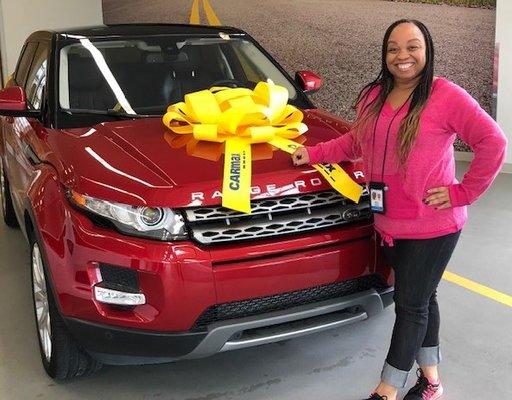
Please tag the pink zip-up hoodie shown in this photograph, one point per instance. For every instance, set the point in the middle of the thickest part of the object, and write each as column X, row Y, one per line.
column 449, row 111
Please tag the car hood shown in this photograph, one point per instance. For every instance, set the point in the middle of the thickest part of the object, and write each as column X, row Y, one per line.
column 140, row 162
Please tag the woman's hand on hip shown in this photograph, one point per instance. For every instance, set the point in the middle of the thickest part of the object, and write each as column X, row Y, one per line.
column 300, row 156
column 439, row 198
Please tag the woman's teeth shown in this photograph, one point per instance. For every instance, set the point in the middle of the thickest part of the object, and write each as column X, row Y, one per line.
column 404, row 66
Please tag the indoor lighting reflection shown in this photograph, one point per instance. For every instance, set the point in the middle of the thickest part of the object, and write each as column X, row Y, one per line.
column 107, row 74
column 116, row 189
column 104, row 163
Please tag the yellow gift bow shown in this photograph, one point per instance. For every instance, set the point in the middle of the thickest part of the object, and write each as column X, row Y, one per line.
column 240, row 117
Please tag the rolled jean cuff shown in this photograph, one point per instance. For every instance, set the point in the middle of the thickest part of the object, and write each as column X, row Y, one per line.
column 394, row 376
column 429, row 356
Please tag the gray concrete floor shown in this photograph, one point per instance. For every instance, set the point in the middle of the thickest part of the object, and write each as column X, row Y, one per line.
column 339, row 364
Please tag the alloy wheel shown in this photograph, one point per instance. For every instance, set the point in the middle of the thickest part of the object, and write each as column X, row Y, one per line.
column 41, row 303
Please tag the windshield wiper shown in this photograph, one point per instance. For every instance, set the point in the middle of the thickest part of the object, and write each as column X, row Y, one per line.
column 110, row 113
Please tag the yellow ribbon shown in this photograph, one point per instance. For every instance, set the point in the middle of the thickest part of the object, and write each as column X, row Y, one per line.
column 240, row 117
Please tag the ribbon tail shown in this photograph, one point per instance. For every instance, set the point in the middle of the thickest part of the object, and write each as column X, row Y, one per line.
column 333, row 173
column 236, row 185
column 286, row 145
column 340, row 181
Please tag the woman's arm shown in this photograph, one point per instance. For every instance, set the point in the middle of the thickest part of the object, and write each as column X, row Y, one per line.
column 342, row 148
column 487, row 140
column 335, row 150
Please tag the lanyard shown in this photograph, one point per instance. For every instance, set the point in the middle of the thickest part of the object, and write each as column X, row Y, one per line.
column 387, row 137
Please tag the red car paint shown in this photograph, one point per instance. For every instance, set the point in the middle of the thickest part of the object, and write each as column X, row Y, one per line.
column 144, row 171
column 136, row 162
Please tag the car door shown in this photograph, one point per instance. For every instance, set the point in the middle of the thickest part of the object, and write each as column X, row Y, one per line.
column 10, row 124
column 24, row 131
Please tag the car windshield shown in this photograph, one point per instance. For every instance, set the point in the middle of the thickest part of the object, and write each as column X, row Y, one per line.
column 143, row 75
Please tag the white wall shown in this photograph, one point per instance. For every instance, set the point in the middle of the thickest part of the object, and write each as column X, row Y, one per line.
column 504, row 38
column 19, row 18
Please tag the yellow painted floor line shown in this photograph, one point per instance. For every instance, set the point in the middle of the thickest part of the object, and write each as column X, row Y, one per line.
column 478, row 288
column 194, row 13
column 210, row 14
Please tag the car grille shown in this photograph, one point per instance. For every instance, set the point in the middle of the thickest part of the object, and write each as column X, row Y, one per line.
column 282, row 301
column 274, row 217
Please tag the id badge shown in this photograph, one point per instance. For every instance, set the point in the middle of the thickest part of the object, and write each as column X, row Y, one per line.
column 377, row 193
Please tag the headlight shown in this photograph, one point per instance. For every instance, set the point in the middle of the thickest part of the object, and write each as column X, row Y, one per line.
column 152, row 222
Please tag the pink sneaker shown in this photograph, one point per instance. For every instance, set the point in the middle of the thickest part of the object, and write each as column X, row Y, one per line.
column 424, row 390
column 375, row 396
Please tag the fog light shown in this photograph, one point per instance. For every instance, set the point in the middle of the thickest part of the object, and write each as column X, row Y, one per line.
column 117, row 297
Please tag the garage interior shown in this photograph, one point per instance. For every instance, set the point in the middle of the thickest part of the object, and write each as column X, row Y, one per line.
column 344, row 363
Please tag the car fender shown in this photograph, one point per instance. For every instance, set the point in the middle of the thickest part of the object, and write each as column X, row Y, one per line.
column 44, row 218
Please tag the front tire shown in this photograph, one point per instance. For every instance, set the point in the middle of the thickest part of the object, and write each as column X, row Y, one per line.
column 7, row 206
column 62, row 357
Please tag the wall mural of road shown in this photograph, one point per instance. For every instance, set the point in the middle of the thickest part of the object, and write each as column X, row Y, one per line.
column 338, row 39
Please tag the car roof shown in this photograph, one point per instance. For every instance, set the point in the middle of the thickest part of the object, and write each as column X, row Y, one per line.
column 147, row 29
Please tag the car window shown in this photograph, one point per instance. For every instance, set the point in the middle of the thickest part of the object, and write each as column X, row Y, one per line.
column 258, row 67
column 144, row 75
column 36, row 78
column 24, row 62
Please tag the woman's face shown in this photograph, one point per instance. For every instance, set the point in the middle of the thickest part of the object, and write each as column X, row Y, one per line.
column 405, row 55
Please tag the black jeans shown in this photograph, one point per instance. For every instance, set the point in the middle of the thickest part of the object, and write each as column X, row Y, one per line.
column 419, row 265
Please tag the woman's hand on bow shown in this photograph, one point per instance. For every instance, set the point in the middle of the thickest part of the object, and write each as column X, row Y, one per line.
column 300, row 156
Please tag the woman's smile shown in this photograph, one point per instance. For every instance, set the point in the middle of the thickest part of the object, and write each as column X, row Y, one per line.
column 404, row 66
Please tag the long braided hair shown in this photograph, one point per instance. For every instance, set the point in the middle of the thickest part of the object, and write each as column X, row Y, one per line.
column 409, row 126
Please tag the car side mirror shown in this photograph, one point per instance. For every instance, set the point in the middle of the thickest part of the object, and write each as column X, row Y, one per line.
column 13, row 103
column 308, row 81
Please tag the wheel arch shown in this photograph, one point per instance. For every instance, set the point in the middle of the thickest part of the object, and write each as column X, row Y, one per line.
column 44, row 220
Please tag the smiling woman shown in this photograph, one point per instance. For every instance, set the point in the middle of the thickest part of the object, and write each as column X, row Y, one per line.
column 405, row 128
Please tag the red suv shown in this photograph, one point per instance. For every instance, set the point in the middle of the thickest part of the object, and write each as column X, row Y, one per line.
column 133, row 258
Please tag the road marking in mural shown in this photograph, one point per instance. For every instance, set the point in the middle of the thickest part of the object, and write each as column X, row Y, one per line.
column 210, row 14
column 448, row 276
column 194, row 13
column 478, row 288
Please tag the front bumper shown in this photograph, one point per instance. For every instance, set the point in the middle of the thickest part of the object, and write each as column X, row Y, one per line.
column 180, row 280
column 120, row 346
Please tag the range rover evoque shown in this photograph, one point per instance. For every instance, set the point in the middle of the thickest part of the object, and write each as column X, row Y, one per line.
column 133, row 258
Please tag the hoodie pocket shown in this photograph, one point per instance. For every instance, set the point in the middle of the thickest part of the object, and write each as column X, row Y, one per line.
column 399, row 203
